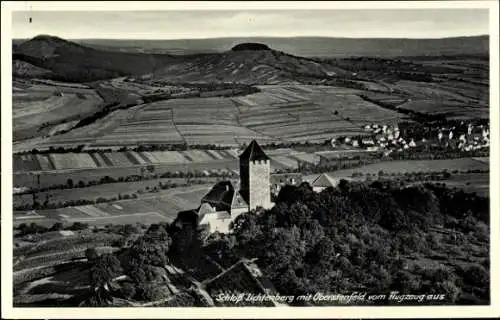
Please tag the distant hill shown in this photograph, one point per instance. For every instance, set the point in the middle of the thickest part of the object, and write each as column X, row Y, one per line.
column 70, row 61
column 270, row 61
column 249, row 63
column 308, row 46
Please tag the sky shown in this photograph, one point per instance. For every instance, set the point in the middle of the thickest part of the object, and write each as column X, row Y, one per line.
column 384, row 23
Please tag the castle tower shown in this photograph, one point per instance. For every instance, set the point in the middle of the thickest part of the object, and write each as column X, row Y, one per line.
column 255, row 171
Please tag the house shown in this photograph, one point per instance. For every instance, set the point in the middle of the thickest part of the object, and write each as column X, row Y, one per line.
column 322, row 182
column 485, row 133
column 220, row 206
column 367, row 142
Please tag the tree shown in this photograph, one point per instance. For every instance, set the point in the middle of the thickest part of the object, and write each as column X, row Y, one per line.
column 220, row 247
column 105, row 268
column 76, row 226
column 152, row 292
column 150, row 249
column 69, row 183
column 128, row 290
column 91, row 254
column 57, row 226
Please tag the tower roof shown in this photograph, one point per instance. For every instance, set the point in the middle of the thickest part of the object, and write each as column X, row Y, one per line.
column 253, row 152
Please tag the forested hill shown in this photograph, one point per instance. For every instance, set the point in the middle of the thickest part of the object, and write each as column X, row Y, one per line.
column 374, row 238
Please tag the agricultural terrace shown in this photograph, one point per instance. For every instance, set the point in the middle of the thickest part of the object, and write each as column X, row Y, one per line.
column 95, row 160
column 46, row 107
column 56, row 262
column 279, row 113
column 300, row 113
column 181, row 160
column 30, row 170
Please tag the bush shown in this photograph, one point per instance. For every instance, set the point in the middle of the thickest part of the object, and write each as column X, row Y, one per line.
column 476, row 275
column 152, row 292
column 128, row 290
column 91, row 254
column 77, row 226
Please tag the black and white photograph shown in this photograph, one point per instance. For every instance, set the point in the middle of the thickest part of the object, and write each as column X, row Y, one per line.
column 242, row 157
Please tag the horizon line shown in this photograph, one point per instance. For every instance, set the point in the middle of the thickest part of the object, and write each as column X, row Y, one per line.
column 271, row 37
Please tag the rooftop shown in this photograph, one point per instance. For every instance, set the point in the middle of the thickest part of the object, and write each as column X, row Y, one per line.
column 324, row 180
column 242, row 277
column 253, row 152
column 220, row 196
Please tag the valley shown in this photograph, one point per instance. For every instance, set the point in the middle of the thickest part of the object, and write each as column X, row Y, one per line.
column 116, row 140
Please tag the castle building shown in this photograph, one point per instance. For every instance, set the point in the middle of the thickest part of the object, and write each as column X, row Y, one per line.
column 223, row 203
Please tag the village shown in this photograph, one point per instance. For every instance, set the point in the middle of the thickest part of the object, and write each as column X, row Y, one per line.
column 387, row 139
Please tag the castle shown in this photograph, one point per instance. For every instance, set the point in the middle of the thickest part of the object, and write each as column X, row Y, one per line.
column 223, row 203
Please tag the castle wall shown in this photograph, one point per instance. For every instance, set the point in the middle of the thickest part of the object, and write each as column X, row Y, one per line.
column 259, row 185
column 218, row 223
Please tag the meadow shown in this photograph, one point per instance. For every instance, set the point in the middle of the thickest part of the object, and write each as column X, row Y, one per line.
column 150, row 208
column 389, row 167
column 105, row 191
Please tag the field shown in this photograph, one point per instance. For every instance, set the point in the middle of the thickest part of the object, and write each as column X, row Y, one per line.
column 309, row 113
column 55, row 169
column 461, row 164
column 475, row 182
column 278, row 113
column 40, row 108
column 153, row 208
column 40, row 170
column 107, row 191
column 50, row 178
column 94, row 160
